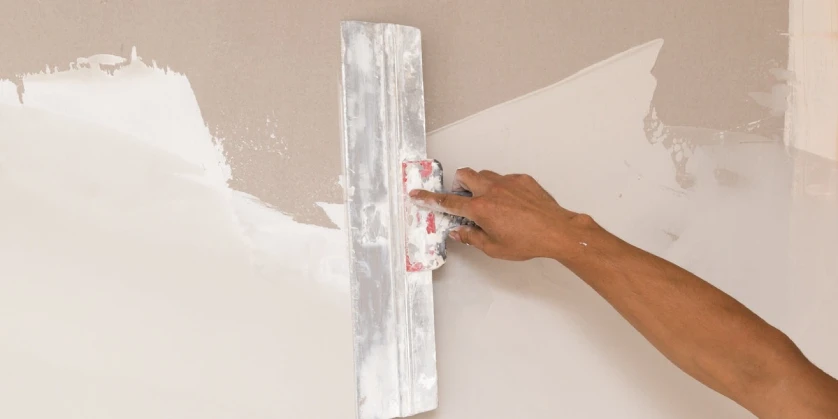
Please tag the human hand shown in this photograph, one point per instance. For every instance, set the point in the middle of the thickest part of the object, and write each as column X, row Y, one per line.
column 516, row 218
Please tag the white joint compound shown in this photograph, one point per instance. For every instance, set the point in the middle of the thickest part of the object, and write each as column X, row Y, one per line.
column 132, row 272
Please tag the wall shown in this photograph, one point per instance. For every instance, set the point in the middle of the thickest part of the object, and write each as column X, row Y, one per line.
column 137, row 283
column 530, row 339
column 254, row 61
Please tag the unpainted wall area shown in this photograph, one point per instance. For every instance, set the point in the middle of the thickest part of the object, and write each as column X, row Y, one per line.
column 265, row 72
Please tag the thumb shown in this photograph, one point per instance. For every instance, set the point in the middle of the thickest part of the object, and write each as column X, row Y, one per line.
column 473, row 236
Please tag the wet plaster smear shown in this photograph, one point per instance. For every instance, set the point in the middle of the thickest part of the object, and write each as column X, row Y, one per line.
column 135, row 283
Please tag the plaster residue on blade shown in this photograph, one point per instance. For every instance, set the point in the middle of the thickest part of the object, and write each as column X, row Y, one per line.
column 383, row 126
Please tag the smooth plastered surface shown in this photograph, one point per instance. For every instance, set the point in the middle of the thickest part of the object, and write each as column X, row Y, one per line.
column 531, row 340
column 134, row 283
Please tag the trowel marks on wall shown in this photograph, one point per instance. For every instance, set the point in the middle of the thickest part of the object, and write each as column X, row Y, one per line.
column 134, row 282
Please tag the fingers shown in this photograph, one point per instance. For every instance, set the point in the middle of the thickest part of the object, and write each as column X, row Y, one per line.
column 467, row 179
column 472, row 236
column 442, row 202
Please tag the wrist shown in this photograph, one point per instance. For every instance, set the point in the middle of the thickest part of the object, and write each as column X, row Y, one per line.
column 576, row 238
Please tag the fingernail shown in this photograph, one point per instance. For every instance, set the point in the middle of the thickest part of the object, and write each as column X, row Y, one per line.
column 414, row 193
column 454, row 235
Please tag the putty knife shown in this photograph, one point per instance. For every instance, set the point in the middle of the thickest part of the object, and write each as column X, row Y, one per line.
column 393, row 244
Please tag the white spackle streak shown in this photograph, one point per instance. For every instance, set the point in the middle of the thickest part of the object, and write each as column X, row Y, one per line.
column 146, row 106
column 8, row 93
column 100, row 60
column 335, row 212
column 165, row 97
column 125, row 258
column 349, row 192
column 776, row 100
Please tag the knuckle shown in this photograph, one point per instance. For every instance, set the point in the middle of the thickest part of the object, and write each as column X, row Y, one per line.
column 513, row 178
column 464, row 171
column 583, row 220
column 471, row 208
column 520, row 180
column 496, row 188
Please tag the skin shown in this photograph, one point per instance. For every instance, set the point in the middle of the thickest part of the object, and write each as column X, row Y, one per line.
column 705, row 332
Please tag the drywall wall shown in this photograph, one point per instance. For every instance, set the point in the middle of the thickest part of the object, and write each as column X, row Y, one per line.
column 188, row 307
column 167, row 283
column 254, row 60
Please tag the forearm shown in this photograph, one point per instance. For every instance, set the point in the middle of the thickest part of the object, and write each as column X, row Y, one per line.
column 702, row 330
